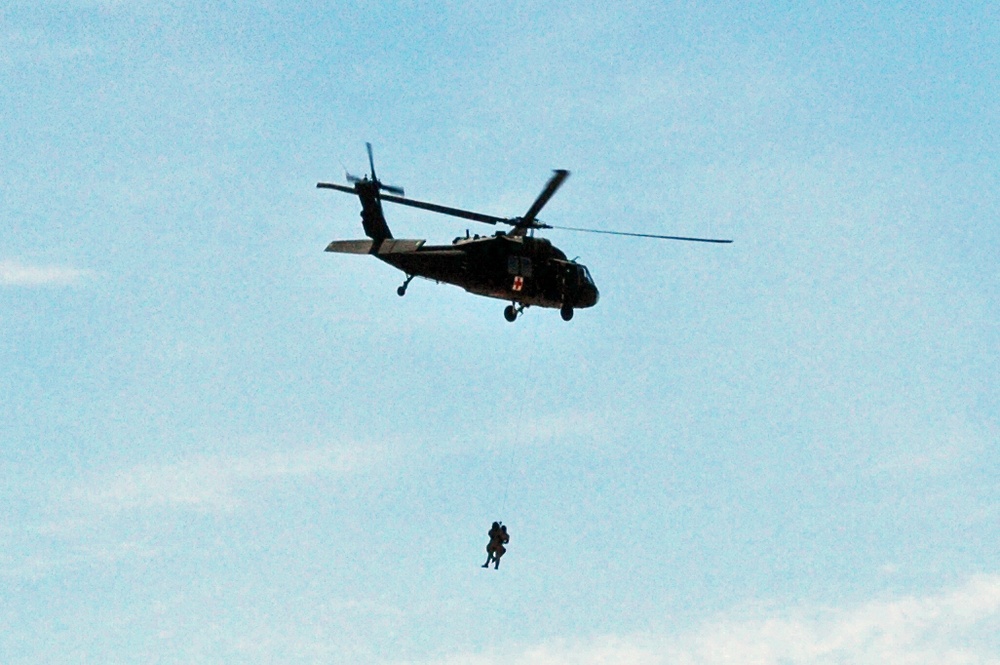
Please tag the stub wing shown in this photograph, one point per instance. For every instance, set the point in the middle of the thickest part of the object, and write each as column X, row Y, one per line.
column 387, row 246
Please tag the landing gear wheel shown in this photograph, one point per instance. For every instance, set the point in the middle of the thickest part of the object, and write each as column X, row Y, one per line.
column 566, row 312
column 510, row 313
column 401, row 291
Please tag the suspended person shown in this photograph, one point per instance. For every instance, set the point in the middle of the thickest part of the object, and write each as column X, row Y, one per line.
column 499, row 549
column 495, row 549
column 494, row 534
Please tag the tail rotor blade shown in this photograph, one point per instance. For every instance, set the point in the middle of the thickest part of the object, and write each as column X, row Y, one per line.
column 371, row 161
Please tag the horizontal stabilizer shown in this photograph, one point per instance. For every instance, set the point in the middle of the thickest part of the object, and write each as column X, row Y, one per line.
column 388, row 246
column 394, row 246
column 350, row 246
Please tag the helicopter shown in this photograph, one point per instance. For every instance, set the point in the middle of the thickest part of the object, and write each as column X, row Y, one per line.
column 515, row 265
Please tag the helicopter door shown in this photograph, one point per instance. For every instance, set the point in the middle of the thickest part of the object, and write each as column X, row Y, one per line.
column 519, row 265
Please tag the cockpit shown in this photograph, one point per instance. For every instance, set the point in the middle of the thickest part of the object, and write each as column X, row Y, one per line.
column 585, row 289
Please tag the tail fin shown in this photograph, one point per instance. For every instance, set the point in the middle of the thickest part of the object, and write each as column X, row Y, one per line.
column 372, row 218
column 368, row 190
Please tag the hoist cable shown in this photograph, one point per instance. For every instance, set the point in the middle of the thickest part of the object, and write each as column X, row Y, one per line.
column 520, row 418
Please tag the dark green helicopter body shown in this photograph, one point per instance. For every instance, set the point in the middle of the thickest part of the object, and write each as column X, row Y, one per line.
column 514, row 266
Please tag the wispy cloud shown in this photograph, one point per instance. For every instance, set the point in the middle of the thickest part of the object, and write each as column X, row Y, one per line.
column 37, row 566
column 956, row 626
column 214, row 482
column 960, row 625
column 37, row 48
column 14, row 273
column 525, row 429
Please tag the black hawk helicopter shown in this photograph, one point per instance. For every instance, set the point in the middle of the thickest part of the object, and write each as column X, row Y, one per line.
column 514, row 266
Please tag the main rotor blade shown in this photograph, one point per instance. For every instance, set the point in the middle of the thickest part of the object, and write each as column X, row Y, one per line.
column 640, row 235
column 351, row 190
column 333, row 185
column 554, row 183
column 446, row 210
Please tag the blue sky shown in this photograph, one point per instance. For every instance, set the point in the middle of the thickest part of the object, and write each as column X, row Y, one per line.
column 219, row 444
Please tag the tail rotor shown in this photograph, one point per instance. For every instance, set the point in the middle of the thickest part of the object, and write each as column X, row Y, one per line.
column 353, row 179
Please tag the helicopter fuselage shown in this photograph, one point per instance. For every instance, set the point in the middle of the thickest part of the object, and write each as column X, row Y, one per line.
column 519, row 269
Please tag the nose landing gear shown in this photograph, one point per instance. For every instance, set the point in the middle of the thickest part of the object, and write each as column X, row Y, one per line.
column 566, row 312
